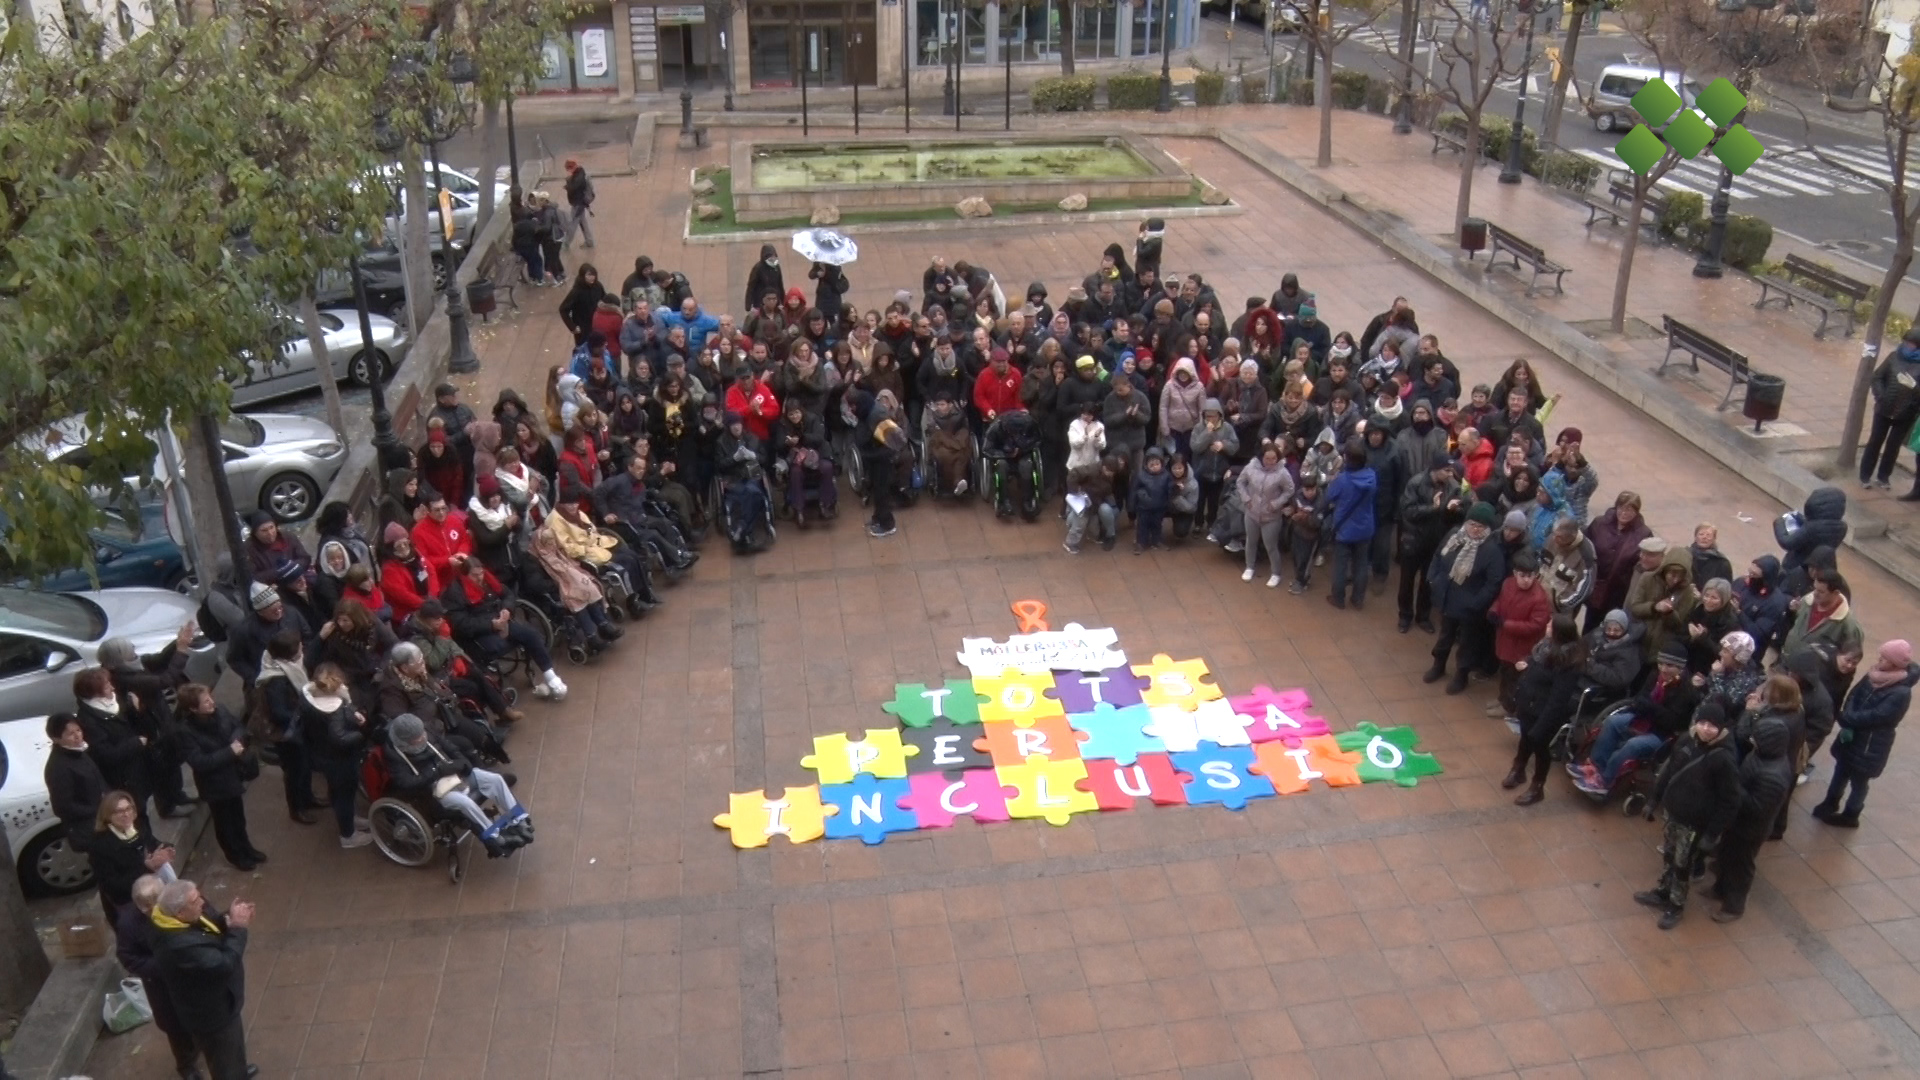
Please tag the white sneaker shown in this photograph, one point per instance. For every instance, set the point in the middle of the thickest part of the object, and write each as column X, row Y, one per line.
column 1236, row 546
column 359, row 839
column 959, row 488
column 1247, row 574
column 555, row 687
column 542, row 691
column 1273, row 582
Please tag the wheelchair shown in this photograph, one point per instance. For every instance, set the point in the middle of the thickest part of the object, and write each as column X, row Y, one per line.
column 976, row 475
column 411, row 832
column 556, row 628
column 1006, row 476
column 763, row 521
column 623, row 600
column 816, row 493
column 1574, row 742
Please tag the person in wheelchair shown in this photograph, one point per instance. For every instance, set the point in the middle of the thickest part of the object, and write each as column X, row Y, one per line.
column 406, row 685
column 481, row 613
column 1613, row 658
column 803, row 460
column 1659, row 713
column 1012, row 450
column 581, row 598
column 950, row 446
column 584, row 543
column 744, row 497
column 625, row 503
column 447, row 662
column 420, row 766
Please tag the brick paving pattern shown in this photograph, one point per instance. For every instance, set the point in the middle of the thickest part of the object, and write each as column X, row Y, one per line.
column 1375, row 931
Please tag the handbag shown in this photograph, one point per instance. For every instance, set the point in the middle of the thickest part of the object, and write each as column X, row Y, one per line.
column 248, row 764
column 126, row 1008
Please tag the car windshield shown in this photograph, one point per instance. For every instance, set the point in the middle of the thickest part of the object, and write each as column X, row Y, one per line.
column 59, row 615
column 242, row 431
column 457, row 183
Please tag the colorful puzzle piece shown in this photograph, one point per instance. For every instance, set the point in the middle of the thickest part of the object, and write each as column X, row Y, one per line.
column 917, row 704
column 1081, row 692
column 1050, row 739
column 1017, row 696
column 1116, row 734
column 938, row 798
column 1047, row 789
column 1183, row 730
column 868, row 808
column 1222, row 774
column 1290, row 768
column 754, row 818
column 945, row 747
column 1388, row 754
column 1182, row 683
column 837, row 758
column 1270, row 714
column 1152, row 776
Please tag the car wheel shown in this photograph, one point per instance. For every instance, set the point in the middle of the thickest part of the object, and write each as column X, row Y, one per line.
column 439, row 273
column 1603, row 123
column 183, row 582
column 290, row 497
column 49, row 866
column 360, row 369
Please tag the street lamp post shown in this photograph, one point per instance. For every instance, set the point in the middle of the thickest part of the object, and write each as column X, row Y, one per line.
column 1708, row 265
column 1409, row 21
column 386, row 444
column 950, row 101
column 1166, row 58
column 1510, row 173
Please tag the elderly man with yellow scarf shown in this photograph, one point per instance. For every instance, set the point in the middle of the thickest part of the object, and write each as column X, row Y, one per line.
column 201, row 955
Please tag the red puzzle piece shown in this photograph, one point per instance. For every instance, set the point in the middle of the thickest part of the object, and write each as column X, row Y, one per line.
column 1050, row 738
column 1151, row 776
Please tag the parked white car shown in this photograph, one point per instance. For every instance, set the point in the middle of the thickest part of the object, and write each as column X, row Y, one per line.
column 47, row 638
column 463, row 190
column 292, row 370
column 47, row 864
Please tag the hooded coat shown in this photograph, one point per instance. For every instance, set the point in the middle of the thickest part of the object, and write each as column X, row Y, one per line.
column 1520, row 617
column 1820, row 523
column 1896, row 384
column 1615, row 550
column 1664, row 626
column 763, row 279
column 1871, row 714
column 1700, row 785
column 1265, row 493
column 1350, row 501
column 1763, row 606
column 1180, row 404
column 1613, row 664
column 1838, row 631
column 1766, row 778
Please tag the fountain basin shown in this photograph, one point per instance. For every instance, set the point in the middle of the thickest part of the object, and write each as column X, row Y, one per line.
column 776, row 181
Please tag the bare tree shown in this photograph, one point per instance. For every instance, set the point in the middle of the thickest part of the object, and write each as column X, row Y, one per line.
column 1323, row 35
column 1563, row 71
column 1644, row 22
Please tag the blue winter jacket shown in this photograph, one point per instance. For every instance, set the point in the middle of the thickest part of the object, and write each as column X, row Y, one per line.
column 1350, row 505
column 697, row 327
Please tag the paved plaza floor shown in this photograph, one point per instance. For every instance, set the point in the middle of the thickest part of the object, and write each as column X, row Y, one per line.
column 1436, row 930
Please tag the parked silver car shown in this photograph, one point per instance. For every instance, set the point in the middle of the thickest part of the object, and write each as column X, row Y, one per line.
column 463, row 191
column 48, row 638
column 291, row 369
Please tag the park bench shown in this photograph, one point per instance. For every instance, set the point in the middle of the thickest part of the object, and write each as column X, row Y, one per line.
column 1618, row 201
column 504, row 269
column 1845, row 291
column 1698, row 346
column 1524, row 254
column 1444, row 139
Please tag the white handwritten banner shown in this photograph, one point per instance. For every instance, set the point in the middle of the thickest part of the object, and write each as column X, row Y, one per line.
column 1073, row 649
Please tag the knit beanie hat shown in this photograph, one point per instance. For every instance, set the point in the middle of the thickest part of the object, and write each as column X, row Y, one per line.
column 405, row 728
column 1481, row 514
column 1515, row 519
column 264, row 596
column 393, row 533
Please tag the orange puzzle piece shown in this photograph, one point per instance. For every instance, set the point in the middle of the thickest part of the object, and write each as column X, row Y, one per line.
column 1048, row 739
column 1291, row 768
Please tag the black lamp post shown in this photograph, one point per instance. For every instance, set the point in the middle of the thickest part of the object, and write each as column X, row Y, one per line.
column 949, row 58
column 1708, row 265
column 1165, row 103
column 386, row 444
column 1510, row 173
column 1409, row 22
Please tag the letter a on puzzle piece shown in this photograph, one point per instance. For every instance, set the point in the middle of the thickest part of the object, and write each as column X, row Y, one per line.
column 1222, row 774
column 868, row 808
column 1150, row 776
column 1388, row 754
column 1270, row 715
column 1291, row 768
column 939, row 798
column 1010, row 744
column 917, row 704
column 1047, row 789
column 1084, row 692
column 1017, row 696
column 755, row 818
column 1182, row 683
column 838, row 759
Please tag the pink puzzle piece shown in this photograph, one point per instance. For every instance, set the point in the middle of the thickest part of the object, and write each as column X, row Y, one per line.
column 938, row 798
column 1275, row 715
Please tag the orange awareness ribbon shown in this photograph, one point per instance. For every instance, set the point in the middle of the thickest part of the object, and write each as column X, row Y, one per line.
column 1032, row 615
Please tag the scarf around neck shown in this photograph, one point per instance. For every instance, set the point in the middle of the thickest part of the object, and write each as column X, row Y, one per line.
column 1463, row 547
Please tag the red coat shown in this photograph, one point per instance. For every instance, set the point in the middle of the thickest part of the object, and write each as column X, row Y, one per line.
column 608, row 322
column 1479, row 464
column 759, row 418
column 404, row 588
column 1523, row 618
column 439, row 541
column 995, row 394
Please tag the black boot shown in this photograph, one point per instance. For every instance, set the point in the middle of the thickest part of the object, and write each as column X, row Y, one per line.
column 1435, row 673
column 1516, row 775
column 1458, row 685
column 610, row 633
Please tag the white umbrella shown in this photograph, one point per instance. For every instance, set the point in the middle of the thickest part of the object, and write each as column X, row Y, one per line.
column 826, row 246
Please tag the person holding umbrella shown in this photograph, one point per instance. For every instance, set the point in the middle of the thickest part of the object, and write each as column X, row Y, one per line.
column 829, row 251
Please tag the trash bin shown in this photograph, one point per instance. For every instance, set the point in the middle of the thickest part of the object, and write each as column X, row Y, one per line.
column 480, row 297
column 1473, row 235
column 1764, row 395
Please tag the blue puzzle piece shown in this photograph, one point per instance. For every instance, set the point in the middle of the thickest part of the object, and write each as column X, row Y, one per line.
column 1217, row 774
column 1115, row 734
column 869, row 808
column 1080, row 691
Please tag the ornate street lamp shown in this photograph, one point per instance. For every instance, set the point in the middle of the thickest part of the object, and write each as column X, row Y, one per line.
column 1510, row 173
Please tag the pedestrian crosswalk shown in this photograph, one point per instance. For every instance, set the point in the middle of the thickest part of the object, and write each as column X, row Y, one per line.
column 1779, row 174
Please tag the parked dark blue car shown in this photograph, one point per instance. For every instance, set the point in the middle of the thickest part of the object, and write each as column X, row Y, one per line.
column 129, row 554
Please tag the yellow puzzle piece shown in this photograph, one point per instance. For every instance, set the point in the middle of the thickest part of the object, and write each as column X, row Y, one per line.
column 1048, row 789
column 1182, row 684
column 838, row 759
column 1017, row 695
column 754, row 818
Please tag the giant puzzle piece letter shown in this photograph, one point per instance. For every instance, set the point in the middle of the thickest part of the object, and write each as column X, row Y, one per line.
column 754, row 818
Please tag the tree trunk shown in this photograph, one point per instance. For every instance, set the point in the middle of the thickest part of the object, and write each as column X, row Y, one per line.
column 489, row 161
column 323, row 365
column 1557, row 100
column 1870, row 347
column 416, row 247
column 23, row 962
column 1617, row 322
column 1469, row 161
column 1066, row 37
column 1323, row 97
column 208, row 533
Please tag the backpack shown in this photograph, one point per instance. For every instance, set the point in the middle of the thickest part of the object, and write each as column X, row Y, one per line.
column 210, row 623
column 259, row 718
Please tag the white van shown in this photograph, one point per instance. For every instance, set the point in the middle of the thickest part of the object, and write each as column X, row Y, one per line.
column 1611, row 104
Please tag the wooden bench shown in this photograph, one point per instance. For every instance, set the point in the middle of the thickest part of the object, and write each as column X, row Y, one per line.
column 1447, row 140
column 504, row 269
column 1698, row 346
column 1847, row 290
column 1500, row 241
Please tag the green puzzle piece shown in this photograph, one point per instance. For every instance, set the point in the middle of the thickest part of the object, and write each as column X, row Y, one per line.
column 915, row 705
column 1388, row 754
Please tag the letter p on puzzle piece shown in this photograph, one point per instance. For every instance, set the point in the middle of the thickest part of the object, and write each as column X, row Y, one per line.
column 838, row 759
column 754, row 818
